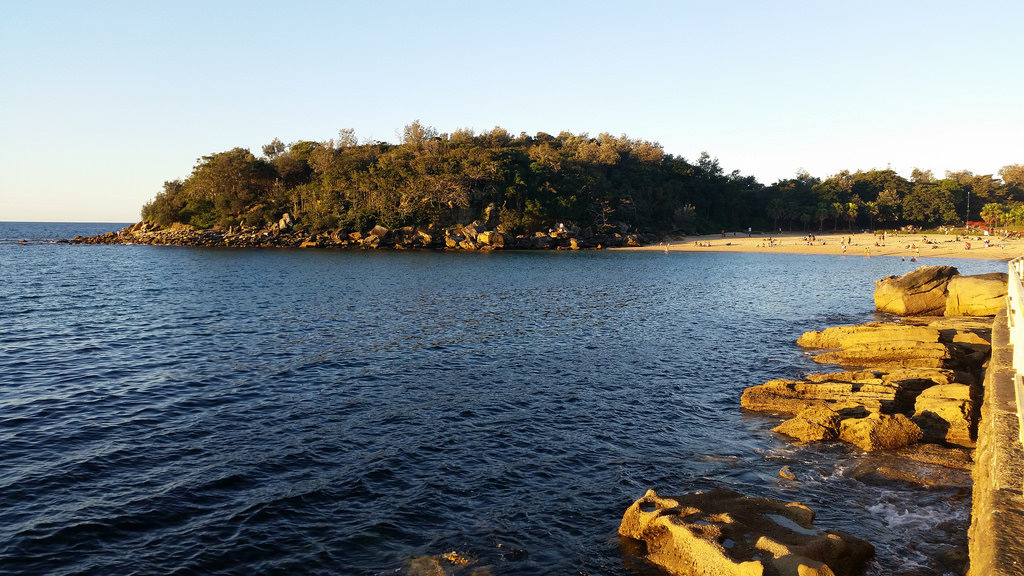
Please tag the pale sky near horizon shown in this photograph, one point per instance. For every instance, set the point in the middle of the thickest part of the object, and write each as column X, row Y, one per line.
column 104, row 101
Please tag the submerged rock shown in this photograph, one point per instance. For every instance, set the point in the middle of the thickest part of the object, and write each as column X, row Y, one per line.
column 724, row 532
column 923, row 464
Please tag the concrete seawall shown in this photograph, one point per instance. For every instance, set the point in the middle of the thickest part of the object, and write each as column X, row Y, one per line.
column 997, row 515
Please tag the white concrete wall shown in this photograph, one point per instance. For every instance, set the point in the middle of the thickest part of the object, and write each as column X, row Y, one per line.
column 1015, row 324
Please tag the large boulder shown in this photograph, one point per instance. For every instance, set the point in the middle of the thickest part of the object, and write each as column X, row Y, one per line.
column 880, row 432
column 491, row 238
column 724, row 532
column 945, row 414
column 813, row 424
column 452, row 240
column 470, row 231
column 427, row 238
column 921, row 292
column 380, row 232
column 978, row 295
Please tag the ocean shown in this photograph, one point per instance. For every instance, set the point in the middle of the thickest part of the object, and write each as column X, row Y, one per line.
column 172, row 410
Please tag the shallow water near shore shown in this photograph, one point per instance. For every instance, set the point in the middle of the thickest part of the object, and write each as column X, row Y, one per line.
column 216, row 411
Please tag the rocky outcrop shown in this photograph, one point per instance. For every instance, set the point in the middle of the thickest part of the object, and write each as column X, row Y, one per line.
column 892, row 345
column 287, row 233
column 941, row 290
column 917, row 382
column 845, row 392
column 724, row 532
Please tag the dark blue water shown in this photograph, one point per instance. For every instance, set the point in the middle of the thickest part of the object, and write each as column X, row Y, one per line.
column 214, row 411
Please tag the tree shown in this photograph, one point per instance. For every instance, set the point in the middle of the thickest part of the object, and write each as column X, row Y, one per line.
column 347, row 138
column 872, row 209
column 929, row 204
column 868, row 185
column 228, row 182
column 822, row 212
column 776, row 210
column 165, row 209
column 919, row 176
column 274, row 149
column 1013, row 182
column 1016, row 215
column 838, row 209
column 852, row 210
column 888, row 204
column 993, row 213
column 416, row 133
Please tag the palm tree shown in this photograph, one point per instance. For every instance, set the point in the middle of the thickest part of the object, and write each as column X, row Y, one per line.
column 822, row 212
column 837, row 211
column 992, row 213
column 872, row 210
column 851, row 214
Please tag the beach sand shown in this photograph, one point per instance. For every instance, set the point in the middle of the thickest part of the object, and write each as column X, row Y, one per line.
column 860, row 245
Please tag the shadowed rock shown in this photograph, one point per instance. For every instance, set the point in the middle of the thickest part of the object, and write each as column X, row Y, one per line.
column 945, row 413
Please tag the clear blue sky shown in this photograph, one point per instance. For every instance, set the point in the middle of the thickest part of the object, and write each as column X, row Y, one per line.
column 102, row 101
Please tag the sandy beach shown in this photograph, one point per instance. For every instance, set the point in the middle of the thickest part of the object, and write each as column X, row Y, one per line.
column 857, row 245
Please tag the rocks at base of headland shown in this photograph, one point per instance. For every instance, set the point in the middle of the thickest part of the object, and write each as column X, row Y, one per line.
column 724, row 532
column 915, row 381
column 473, row 237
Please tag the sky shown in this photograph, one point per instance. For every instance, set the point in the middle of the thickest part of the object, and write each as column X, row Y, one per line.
column 101, row 102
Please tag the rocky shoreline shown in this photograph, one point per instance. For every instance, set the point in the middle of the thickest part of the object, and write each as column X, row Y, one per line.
column 912, row 387
column 473, row 237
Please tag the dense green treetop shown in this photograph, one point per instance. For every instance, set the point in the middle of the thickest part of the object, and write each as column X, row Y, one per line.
column 523, row 184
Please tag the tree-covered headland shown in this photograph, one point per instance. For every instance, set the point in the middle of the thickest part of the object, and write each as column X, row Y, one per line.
column 524, row 184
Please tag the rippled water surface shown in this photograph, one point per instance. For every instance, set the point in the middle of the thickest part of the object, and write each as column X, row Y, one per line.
column 203, row 411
